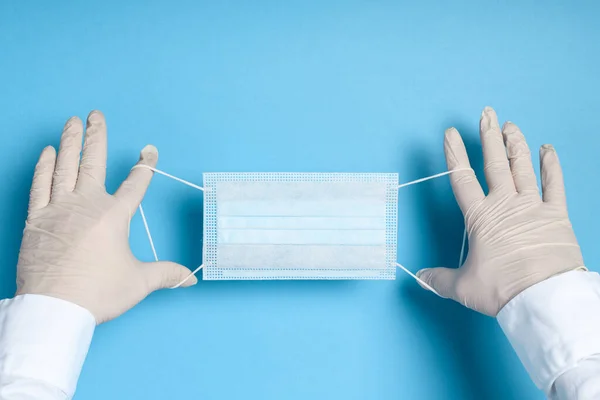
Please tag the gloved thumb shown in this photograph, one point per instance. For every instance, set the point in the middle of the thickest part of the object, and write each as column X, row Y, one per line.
column 442, row 280
column 166, row 274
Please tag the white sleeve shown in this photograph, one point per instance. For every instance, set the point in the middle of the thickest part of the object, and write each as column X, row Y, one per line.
column 554, row 327
column 43, row 343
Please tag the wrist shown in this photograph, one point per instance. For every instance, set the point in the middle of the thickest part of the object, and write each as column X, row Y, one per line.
column 531, row 274
column 45, row 339
column 554, row 324
column 73, row 293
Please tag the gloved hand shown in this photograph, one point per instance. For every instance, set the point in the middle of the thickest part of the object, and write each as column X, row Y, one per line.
column 75, row 245
column 516, row 237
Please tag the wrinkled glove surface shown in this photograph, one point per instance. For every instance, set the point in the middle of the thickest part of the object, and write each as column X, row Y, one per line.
column 75, row 245
column 517, row 238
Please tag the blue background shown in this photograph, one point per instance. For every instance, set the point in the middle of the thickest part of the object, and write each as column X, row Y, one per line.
column 299, row 86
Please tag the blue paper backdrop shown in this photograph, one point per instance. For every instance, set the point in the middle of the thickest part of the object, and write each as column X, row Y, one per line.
column 299, row 86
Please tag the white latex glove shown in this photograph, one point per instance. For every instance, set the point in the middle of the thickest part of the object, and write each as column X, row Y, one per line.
column 75, row 245
column 516, row 237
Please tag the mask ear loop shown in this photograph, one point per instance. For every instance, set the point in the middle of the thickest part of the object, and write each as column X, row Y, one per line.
column 190, row 184
column 422, row 282
column 464, row 238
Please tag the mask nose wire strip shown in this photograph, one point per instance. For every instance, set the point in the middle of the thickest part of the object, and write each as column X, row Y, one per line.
column 190, row 184
column 464, row 238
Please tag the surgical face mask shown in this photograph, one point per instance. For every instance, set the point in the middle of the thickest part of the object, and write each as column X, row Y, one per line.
column 298, row 225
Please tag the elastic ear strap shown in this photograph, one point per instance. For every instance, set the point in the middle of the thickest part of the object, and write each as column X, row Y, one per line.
column 433, row 177
column 158, row 171
column 148, row 232
column 464, row 238
column 146, row 221
column 402, row 267
column 188, row 277
column 462, row 247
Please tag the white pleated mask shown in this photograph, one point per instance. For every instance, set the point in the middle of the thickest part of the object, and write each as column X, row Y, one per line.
column 298, row 225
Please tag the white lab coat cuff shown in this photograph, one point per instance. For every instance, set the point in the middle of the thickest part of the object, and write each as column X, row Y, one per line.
column 554, row 324
column 44, row 339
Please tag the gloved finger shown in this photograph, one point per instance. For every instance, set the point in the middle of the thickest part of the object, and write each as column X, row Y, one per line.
column 520, row 159
column 67, row 162
column 553, row 188
column 133, row 189
column 41, row 188
column 465, row 185
column 166, row 274
column 443, row 280
column 93, row 159
column 496, row 168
